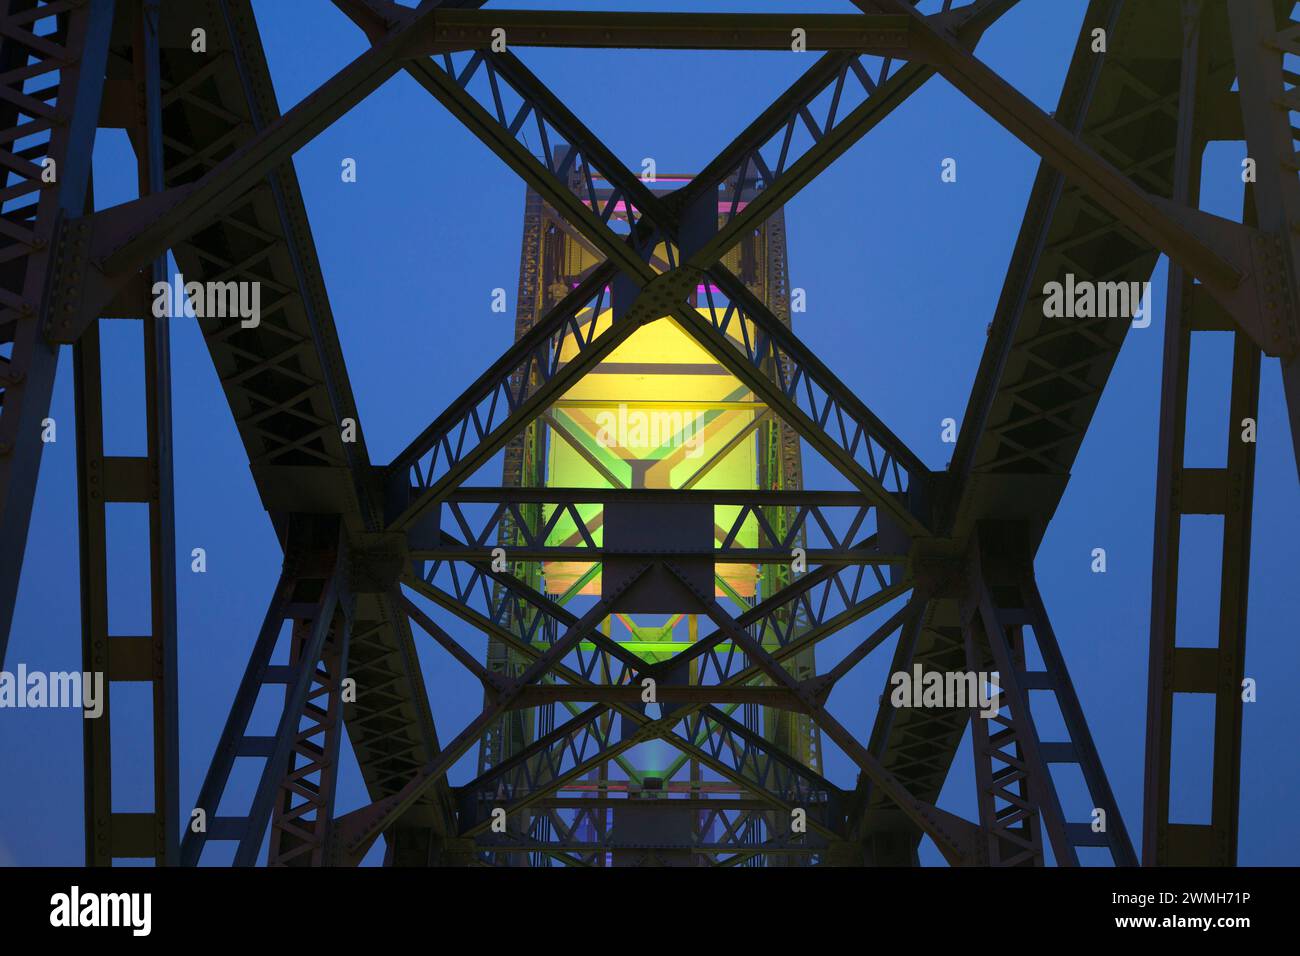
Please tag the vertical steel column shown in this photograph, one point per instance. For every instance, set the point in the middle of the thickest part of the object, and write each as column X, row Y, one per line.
column 312, row 592
column 78, row 51
column 540, row 270
column 93, row 487
column 162, row 510
column 781, row 468
column 1226, row 491
column 147, row 479
column 301, row 825
column 1008, row 781
column 1078, row 748
column 1259, row 42
column 1004, row 604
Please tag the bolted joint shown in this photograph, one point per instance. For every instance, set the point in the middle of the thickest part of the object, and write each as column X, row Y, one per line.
column 66, row 316
column 375, row 17
column 940, row 574
column 376, row 562
column 1276, row 290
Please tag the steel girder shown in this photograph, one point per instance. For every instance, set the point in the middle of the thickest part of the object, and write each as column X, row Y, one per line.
column 798, row 616
column 828, row 527
column 147, row 479
column 313, row 596
column 360, row 828
column 985, row 610
column 518, row 777
column 137, row 232
column 729, row 835
column 955, row 838
column 1040, row 379
column 1039, row 382
column 529, row 377
column 286, row 380
column 727, row 669
column 303, row 815
column 1233, row 262
column 754, row 648
column 554, row 762
column 916, row 744
column 879, row 34
column 1035, row 390
column 1263, row 33
column 72, row 63
column 1216, row 670
column 1002, row 614
column 1053, row 432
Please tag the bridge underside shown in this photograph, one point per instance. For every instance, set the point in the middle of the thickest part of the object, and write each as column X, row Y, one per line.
column 617, row 504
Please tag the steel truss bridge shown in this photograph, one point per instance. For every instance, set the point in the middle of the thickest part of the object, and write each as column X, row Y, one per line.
column 374, row 553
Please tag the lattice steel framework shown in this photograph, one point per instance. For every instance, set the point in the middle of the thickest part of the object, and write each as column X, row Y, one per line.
column 944, row 561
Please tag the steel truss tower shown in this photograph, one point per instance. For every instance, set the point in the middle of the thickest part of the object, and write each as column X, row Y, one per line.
column 560, row 576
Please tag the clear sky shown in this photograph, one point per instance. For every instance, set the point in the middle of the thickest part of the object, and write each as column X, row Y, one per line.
column 902, row 274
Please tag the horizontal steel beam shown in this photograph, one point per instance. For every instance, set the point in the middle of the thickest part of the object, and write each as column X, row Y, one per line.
column 540, row 694
column 881, row 34
column 468, row 494
column 732, row 555
column 721, row 804
column 525, row 846
column 567, row 530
